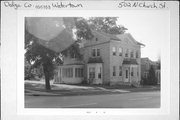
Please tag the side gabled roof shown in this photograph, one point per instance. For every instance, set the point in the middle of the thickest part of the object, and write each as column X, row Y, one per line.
column 105, row 37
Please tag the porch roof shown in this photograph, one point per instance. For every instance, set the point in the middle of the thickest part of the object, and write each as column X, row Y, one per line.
column 130, row 62
column 95, row 60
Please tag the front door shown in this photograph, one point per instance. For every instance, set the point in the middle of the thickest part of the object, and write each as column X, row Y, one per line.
column 91, row 74
column 127, row 75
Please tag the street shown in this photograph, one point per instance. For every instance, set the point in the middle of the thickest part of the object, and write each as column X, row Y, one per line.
column 125, row 100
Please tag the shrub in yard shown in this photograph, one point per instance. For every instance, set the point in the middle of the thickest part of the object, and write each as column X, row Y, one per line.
column 152, row 77
column 84, row 82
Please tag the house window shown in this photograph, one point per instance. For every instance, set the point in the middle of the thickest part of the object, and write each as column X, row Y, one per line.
column 98, row 52
column 93, row 52
column 114, row 50
column 91, row 72
column 114, row 70
column 132, row 54
column 79, row 72
column 99, row 74
column 132, row 71
column 120, row 51
column 68, row 72
column 120, row 71
column 137, row 55
column 126, row 73
column 126, row 54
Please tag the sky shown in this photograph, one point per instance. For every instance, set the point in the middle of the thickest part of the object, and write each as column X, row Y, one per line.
column 149, row 28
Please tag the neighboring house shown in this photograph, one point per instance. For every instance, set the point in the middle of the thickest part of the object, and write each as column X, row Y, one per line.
column 146, row 63
column 107, row 59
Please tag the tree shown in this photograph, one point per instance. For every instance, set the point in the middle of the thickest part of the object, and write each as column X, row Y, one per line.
column 151, row 80
column 37, row 55
column 83, row 30
column 106, row 24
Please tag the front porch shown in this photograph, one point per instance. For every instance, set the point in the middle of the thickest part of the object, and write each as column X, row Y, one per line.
column 69, row 74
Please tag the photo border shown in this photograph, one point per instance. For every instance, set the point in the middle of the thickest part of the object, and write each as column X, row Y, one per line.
column 12, row 108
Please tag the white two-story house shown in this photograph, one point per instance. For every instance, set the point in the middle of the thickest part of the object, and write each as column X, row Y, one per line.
column 107, row 59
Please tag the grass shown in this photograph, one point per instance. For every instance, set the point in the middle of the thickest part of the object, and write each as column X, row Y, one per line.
column 96, row 91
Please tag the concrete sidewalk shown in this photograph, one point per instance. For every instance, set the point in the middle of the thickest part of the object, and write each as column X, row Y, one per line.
column 38, row 93
column 72, row 92
column 36, row 88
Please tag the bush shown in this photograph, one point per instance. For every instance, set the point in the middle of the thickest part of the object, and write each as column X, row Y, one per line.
column 151, row 79
column 84, row 82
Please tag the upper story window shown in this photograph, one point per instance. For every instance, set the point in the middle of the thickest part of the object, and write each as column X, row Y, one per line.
column 132, row 54
column 127, row 52
column 114, row 50
column 95, row 52
column 137, row 54
column 98, row 52
column 120, row 52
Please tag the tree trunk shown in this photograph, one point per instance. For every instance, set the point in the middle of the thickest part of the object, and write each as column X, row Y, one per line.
column 47, row 78
column 47, row 81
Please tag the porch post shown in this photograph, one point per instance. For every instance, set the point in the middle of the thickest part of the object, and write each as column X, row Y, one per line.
column 73, row 72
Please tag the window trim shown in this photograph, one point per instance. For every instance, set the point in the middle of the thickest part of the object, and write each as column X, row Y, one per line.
column 132, row 54
column 137, row 54
column 97, row 52
column 127, row 53
column 94, row 52
column 114, row 71
column 120, row 70
column 132, row 71
column 92, row 73
column 114, row 51
column 120, row 51
column 68, row 72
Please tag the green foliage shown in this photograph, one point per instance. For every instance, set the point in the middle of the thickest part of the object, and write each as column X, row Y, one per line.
column 27, row 69
column 83, row 29
column 151, row 79
column 73, row 50
column 106, row 24
column 39, row 55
